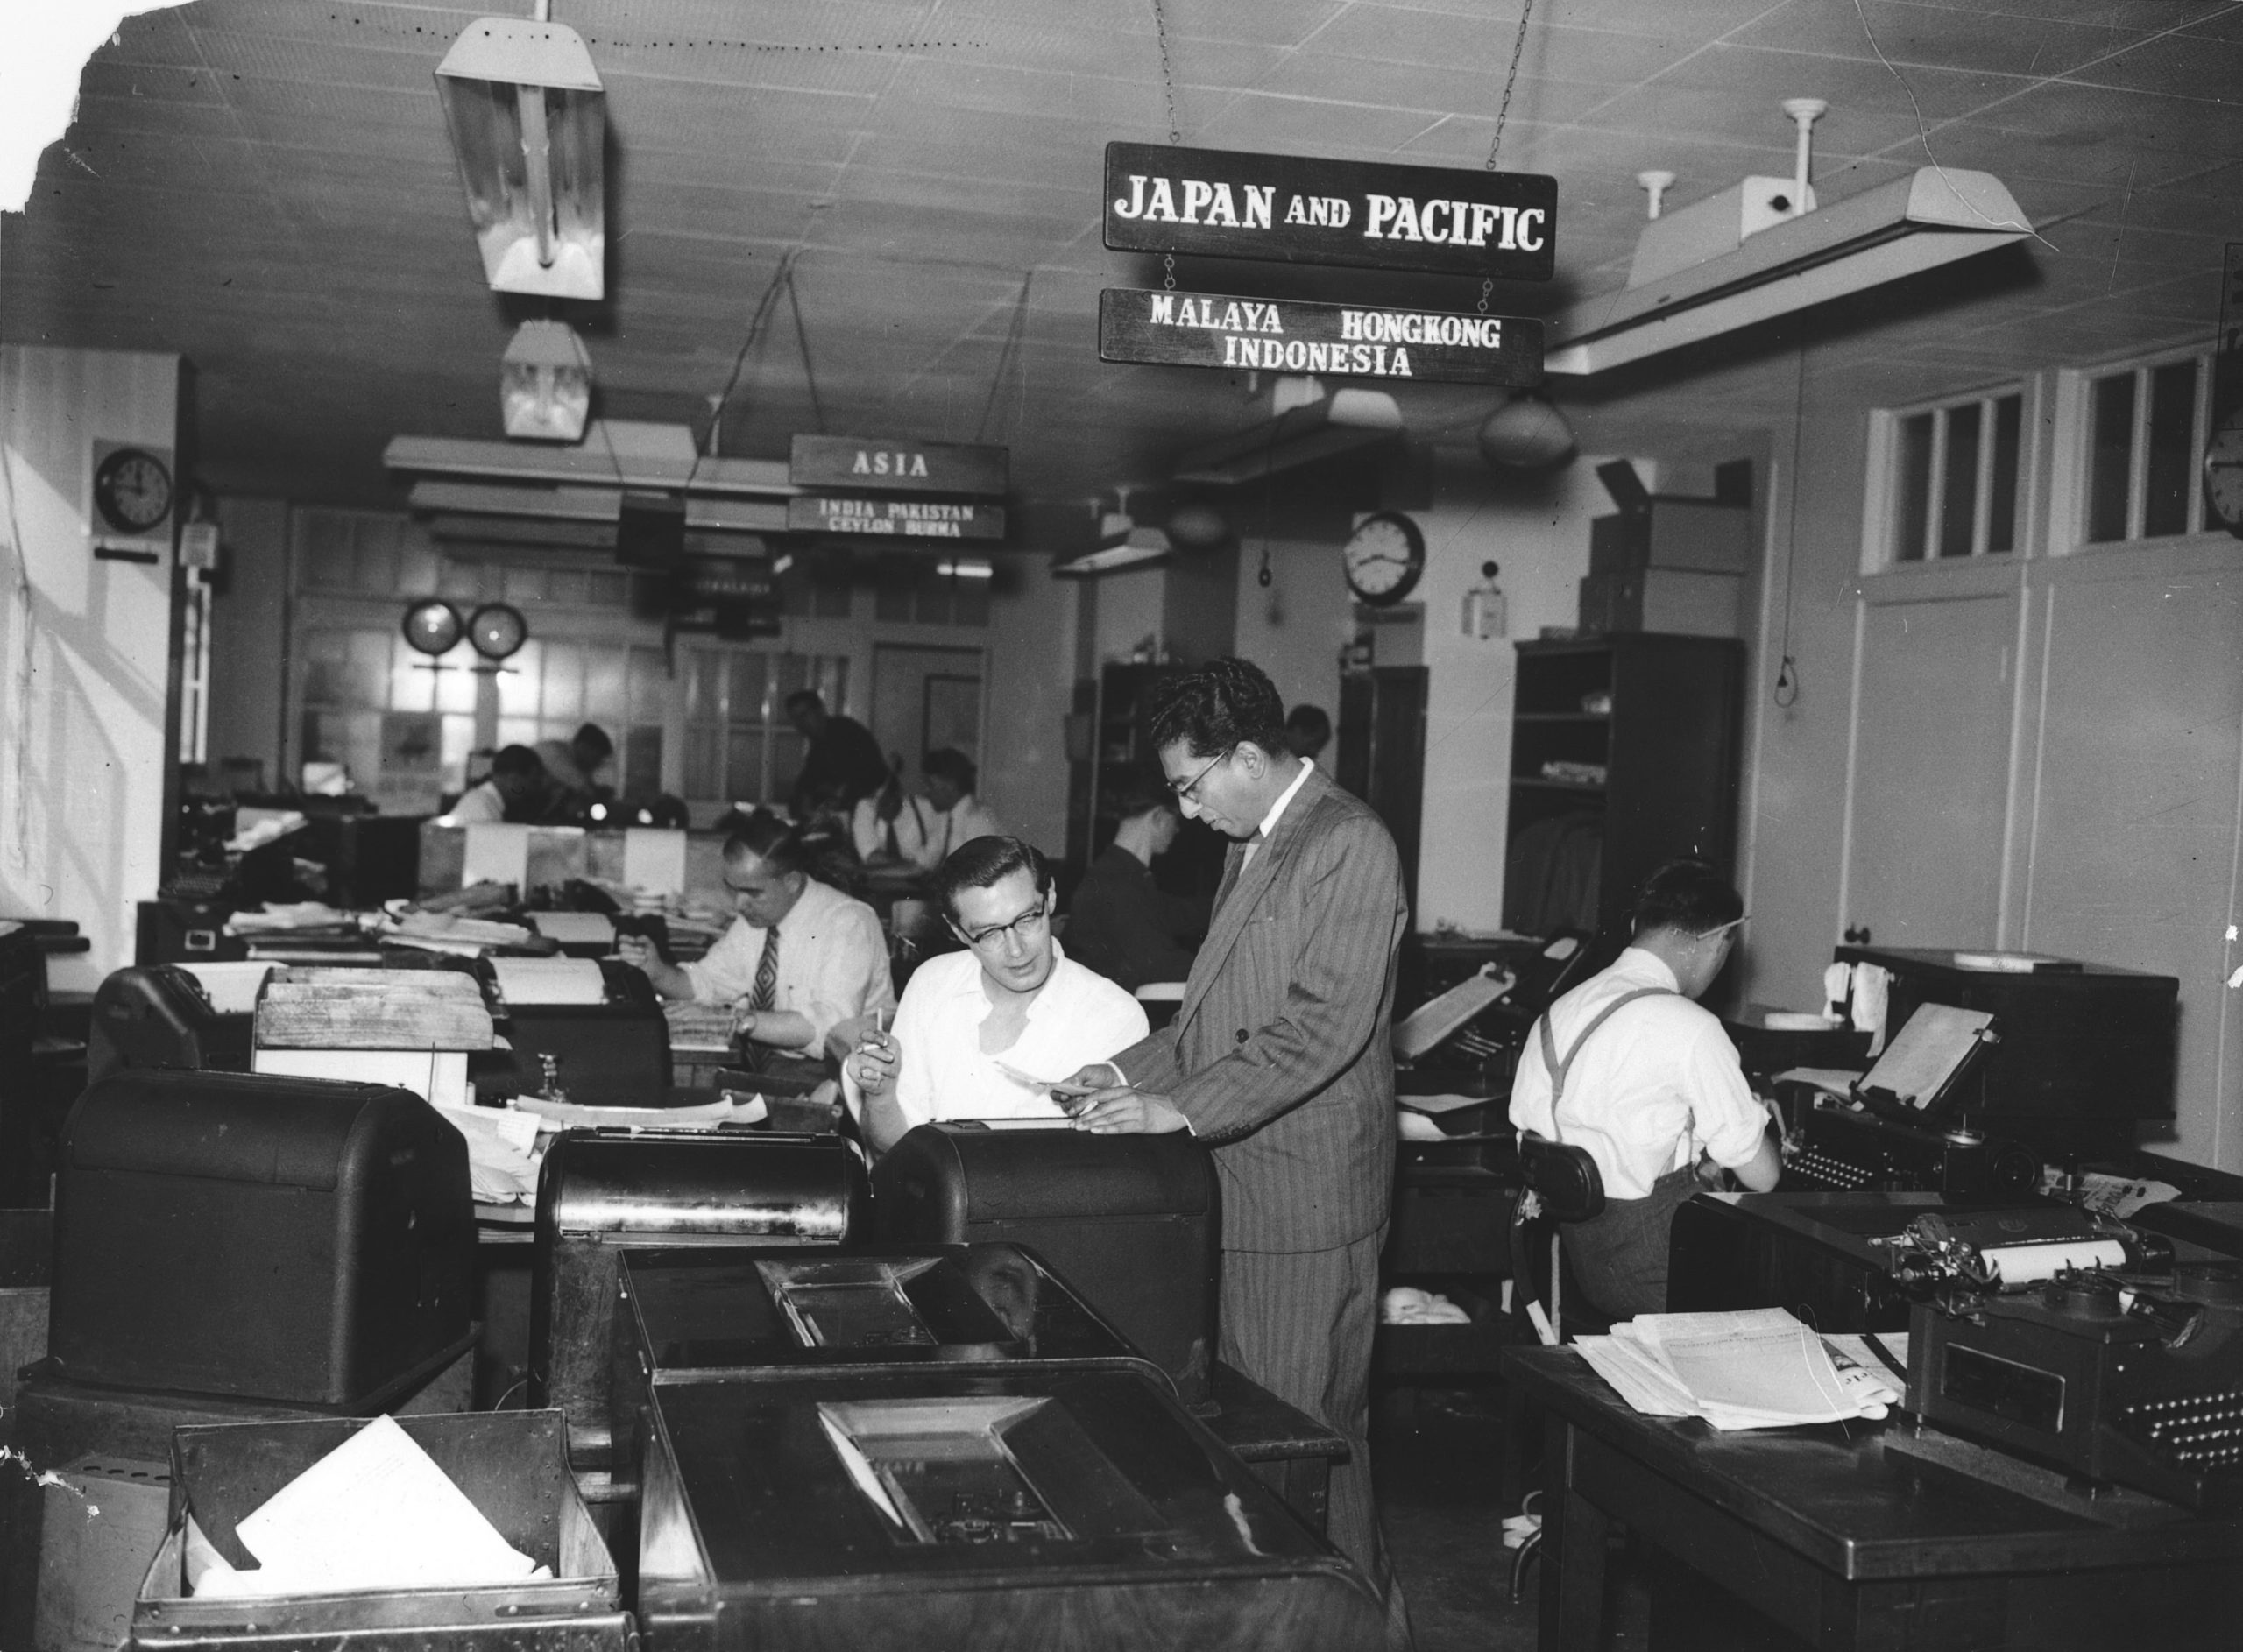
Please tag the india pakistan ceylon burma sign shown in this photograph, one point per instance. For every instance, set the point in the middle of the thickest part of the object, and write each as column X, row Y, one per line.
column 1208, row 329
column 1300, row 209
column 903, row 518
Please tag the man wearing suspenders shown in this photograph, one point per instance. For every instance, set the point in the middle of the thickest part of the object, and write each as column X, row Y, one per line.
column 1628, row 1067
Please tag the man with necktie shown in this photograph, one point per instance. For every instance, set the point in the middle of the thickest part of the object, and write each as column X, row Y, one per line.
column 1280, row 1060
column 801, row 959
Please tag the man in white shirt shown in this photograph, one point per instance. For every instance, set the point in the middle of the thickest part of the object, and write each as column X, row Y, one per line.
column 573, row 765
column 1629, row 1068
column 801, row 959
column 515, row 786
column 983, row 1034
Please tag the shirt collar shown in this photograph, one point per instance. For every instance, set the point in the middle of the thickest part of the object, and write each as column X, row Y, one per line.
column 1636, row 960
column 1269, row 820
column 972, row 987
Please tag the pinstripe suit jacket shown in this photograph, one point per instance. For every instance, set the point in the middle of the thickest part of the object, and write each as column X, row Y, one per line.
column 1281, row 1052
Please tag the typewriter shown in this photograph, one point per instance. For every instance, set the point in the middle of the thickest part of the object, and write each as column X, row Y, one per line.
column 2081, row 1342
column 1902, row 1125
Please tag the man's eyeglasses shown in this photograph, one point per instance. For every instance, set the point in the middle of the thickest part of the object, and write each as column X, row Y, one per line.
column 1020, row 928
column 1187, row 791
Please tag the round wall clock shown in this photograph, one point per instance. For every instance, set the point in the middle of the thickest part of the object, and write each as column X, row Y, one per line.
column 1383, row 557
column 496, row 631
column 132, row 490
column 432, row 627
column 2224, row 474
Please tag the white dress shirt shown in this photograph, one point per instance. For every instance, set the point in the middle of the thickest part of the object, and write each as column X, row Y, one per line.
column 1653, row 1086
column 1080, row 1017
column 1276, row 811
column 926, row 834
column 832, row 961
column 913, row 823
column 478, row 806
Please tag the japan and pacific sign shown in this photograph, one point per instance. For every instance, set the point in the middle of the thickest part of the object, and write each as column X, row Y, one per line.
column 1291, row 209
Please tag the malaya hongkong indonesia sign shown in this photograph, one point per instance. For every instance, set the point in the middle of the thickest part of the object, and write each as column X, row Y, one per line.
column 1301, row 209
column 1209, row 329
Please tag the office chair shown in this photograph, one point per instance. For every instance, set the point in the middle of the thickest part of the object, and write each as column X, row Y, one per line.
column 1562, row 1185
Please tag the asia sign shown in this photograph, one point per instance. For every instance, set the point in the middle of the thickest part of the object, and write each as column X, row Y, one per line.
column 867, row 465
column 1301, row 209
column 1208, row 329
column 901, row 519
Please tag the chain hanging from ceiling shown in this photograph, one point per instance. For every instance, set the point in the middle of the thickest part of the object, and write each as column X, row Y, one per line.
column 1175, row 132
column 1502, row 113
column 1011, row 356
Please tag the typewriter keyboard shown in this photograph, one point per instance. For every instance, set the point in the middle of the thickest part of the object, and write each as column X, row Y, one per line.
column 1812, row 1168
column 2197, row 1433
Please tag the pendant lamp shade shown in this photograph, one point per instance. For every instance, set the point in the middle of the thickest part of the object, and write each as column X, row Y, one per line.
column 1526, row 433
column 527, row 121
column 545, row 383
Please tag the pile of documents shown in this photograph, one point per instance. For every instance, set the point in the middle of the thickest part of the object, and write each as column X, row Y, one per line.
column 1758, row 1368
column 375, row 1513
column 449, row 932
column 1407, row 1305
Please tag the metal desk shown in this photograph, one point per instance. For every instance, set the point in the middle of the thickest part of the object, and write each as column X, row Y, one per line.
column 1834, row 1541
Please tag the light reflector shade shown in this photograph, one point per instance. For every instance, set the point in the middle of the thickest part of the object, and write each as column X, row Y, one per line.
column 545, row 383
column 527, row 120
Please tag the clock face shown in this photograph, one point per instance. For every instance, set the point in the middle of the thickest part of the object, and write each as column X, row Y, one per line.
column 132, row 491
column 432, row 627
column 496, row 631
column 1384, row 557
column 2223, row 474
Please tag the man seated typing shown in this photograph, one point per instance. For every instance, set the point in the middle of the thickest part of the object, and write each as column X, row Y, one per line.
column 801, row 959
column 980, row 1034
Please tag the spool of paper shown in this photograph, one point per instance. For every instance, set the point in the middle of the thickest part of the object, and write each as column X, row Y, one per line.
column 2029, row 1264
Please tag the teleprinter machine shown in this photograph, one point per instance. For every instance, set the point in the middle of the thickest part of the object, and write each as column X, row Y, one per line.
column 585, row 1030
column 936, row 1508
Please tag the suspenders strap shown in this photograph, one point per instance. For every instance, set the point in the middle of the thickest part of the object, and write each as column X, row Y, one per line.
column 1559, row 1069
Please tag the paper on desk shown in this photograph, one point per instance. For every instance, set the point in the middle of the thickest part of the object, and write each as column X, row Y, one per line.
column 527, row 981
column 654, row 858
column 576, row 928
column 502, row 1155
column 375, row 1513
column 1836, row 1080
column 1756, row 1368
column 569, row 1115
column 497, row 852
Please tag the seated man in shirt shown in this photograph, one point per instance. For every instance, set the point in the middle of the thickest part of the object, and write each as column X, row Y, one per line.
column 1119, row 923
column 573, row 765
column 1629, row 1068
column 514, row 790
column 801, row 959
column 925, row 831
column 980, row 1034
column 891, row 826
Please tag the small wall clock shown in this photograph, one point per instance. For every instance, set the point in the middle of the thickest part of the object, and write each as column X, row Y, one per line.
column 2224, row 474
column 1383, row 557
column 132, row 490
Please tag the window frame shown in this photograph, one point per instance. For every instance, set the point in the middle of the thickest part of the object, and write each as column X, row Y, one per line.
column 1881, row 512
column 2075, row 425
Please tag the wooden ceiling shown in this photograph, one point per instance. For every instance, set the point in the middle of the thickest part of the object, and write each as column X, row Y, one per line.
column 266, row 187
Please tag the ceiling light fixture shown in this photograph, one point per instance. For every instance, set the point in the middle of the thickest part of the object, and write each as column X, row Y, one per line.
column 1122, row 542
column 1347, row 420
column 1764, row 248
column 527, row 120
column 545, row 383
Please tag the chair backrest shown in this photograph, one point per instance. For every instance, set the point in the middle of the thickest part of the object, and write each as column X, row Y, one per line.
column 1564, row 1175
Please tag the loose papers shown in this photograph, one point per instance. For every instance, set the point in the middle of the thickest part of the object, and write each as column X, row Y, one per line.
column 375, row 1513
column 1761, row 1368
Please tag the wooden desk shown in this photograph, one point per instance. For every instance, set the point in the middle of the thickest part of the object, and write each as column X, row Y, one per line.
column 1839, row 1542
column 1290, row 1451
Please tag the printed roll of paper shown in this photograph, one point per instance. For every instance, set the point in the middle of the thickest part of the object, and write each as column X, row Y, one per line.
column 2028, row 1264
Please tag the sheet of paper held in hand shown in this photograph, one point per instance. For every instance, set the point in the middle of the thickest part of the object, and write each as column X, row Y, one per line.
column 375, row 1513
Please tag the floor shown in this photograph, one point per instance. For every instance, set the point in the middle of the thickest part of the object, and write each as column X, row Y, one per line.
column 1436, row 1456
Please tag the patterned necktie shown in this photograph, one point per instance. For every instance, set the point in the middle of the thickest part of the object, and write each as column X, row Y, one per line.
column 766, row 994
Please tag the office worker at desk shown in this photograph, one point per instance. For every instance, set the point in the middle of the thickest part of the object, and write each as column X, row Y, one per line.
column 801, row 959
column 1120, row 923
column 1280, row 1059
column 1648, row 1083
column 514, row 790
column 977, row 1029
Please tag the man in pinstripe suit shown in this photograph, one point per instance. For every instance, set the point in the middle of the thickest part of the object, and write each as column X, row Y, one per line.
column 1280, row 1060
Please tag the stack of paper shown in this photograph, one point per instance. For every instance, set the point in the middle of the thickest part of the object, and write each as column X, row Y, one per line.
column 375, row 1513
column 444, row 932
column 502, row 1153
column 524, row 982
column 1759, row 1368
column 696, row 1028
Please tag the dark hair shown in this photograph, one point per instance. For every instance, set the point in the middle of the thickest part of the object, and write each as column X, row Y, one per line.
column 804, row 699
column 594, row 736
column 1140, row 798
column 1686, row 895
column 951, row 765
column 1214, row 707
column 769, row 839
column 517, row 759
column 1309, row 720
column 979, row 862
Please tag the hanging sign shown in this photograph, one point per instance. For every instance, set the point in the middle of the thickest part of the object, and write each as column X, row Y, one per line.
column 899, row 519
column 1349, row 341
column 866, row 465
column 1301, row 209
